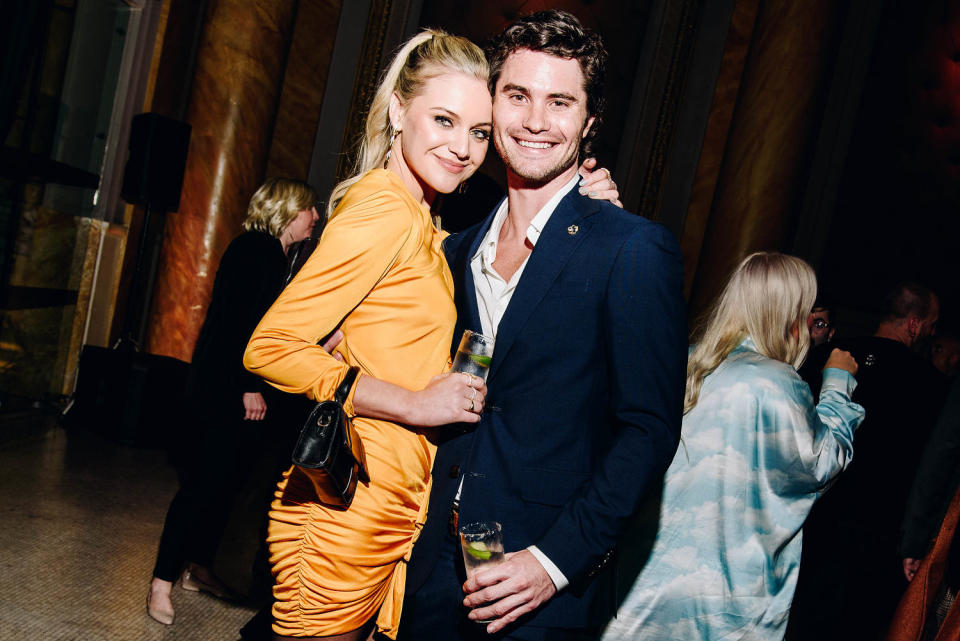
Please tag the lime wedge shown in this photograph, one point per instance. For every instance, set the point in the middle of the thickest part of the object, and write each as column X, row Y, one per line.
column 478, row 550
column 479, row 359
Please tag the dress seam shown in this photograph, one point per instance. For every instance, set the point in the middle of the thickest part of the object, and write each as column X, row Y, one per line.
column 311, row 507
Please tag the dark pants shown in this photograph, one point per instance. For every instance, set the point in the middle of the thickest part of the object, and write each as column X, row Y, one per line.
column 850, row 583
column 435, row 612
column 211, row 474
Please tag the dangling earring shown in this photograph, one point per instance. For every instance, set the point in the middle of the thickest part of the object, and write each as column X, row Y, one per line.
column 393, row 137
column 462, row 187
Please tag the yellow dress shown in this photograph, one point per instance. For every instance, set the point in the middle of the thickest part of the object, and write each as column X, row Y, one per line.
column 379, row 270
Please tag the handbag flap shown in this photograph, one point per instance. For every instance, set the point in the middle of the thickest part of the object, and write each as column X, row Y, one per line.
column 318, row 439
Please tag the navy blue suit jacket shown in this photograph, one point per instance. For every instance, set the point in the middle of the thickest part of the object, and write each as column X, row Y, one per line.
column 585, row 398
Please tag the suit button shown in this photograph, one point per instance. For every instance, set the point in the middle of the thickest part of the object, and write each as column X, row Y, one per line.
column 454, row 471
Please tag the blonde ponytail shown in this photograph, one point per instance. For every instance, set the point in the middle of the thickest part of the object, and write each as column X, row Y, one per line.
column 423, row 56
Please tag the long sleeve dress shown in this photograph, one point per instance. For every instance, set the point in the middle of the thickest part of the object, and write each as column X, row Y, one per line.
column 755, row 455
column 379, row 270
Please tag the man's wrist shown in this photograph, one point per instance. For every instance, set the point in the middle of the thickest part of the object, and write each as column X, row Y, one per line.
column 559, row 580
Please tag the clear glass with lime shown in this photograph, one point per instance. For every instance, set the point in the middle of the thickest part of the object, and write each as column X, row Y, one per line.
column 482, row 546
column 474, row 354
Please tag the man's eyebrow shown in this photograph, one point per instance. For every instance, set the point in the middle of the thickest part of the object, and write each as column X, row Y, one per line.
column 553, row 96
column 513, row 87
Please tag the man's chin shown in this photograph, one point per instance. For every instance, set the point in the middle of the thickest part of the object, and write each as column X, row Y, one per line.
column 535, row 175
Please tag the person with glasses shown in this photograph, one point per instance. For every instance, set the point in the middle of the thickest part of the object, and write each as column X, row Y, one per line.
column 821, row 328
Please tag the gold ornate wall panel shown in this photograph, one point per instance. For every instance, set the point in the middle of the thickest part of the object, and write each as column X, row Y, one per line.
column 304, row 82
column 234, row 95
column 715, row 138
column 365, row 82
column 771, row 134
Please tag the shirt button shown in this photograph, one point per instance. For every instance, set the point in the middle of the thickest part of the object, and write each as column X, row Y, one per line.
column 454, row 471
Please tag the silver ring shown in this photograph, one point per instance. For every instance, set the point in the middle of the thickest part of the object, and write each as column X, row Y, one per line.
column 469, row 378
column 474, row 393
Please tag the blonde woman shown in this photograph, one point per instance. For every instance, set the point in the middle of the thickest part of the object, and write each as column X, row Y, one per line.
column 756, row 453
column 227, row 408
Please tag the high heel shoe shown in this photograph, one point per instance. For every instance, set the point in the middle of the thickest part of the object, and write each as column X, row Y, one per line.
column 157, row 613
column 192, row 583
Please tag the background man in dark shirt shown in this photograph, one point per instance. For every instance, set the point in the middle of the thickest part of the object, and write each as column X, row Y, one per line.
column 851, row 575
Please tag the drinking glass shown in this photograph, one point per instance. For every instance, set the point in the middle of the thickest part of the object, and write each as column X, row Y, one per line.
column 482, row 547
column 474, row 354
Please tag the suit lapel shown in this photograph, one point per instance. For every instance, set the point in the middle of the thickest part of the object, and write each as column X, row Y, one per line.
column 565, row 230
column 465, row 292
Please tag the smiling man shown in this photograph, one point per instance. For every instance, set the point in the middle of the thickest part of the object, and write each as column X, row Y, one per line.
column 585, row 389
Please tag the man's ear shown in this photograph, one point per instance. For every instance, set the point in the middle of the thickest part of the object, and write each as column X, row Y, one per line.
column 913, row 326
column 395, row 111
column 586, row 128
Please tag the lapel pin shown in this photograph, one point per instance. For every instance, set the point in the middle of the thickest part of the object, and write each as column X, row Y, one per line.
column 572, row 229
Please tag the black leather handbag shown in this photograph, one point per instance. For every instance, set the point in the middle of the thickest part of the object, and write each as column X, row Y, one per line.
column 331, row 451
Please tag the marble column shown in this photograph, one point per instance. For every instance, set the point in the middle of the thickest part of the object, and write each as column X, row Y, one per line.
column 233, row 104
column 774, row 124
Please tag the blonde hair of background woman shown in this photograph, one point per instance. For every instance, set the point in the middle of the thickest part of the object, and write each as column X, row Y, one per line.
column 276, row 203
column 425, row 55
column 767, row 295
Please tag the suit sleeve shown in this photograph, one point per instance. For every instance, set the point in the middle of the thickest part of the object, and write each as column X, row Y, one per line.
column 645, row 355
column 360, row 244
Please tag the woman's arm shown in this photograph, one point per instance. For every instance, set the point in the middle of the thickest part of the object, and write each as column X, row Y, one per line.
column 447, row 398
column 360, row 244
column 810, row 444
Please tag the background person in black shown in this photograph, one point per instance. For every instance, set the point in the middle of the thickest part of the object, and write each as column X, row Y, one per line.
column 231, row 414
column 851, row 574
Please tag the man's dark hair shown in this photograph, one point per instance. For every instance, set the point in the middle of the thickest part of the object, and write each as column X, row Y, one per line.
column 824, row 304
column 560, row 34
column 907, row 298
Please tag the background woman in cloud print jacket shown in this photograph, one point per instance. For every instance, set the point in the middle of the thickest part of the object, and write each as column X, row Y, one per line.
column 756, row 454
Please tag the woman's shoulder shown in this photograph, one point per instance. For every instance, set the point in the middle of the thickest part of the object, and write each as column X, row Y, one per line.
column 254, row 238
column 758, row 371
column 258, row 243
column 378, row 191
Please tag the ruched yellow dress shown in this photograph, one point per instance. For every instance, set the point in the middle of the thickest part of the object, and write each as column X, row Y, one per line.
column 380, row 271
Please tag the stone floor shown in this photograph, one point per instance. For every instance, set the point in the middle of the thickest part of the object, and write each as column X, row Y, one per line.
column 80, row 517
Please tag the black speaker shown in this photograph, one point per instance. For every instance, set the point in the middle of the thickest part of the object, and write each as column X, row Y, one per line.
column 158, row 156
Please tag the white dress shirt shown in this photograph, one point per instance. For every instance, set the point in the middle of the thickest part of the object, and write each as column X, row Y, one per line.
column 493, row 297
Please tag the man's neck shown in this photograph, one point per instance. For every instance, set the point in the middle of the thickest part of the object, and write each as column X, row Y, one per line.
column 525, row 199
column 895, row 332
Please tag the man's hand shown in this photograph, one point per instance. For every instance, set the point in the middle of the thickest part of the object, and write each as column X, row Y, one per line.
column 910, row 567
column 508, row 591
column 255, row 406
